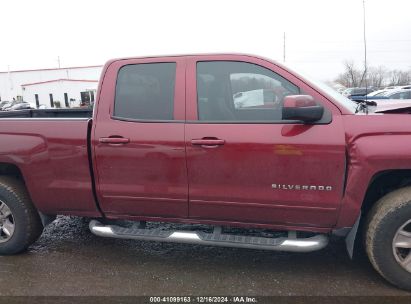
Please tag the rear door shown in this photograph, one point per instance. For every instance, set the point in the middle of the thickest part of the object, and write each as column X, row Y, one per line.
column 245, row 163
column 138, row 140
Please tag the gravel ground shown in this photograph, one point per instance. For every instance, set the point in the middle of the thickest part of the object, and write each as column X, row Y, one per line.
column 69, row 260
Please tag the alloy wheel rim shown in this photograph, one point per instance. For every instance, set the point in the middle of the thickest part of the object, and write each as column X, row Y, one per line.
column 402, row 246
column 7, row 224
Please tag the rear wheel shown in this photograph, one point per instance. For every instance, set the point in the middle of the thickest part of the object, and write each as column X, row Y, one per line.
column 388, row 237
column 401, row 246
column 20, row 223
column 6, row 223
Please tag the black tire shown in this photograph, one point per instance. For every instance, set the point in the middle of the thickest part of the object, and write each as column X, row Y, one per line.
column 383, row 222
column 27, row 222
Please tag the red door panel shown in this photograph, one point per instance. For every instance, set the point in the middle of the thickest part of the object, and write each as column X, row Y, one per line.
column 235, row 181
column 145, row 176
column 140, row 164
column 261, row 172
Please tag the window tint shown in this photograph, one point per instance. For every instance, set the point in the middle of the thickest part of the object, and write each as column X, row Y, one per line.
column 145, row 91
column 239, row 91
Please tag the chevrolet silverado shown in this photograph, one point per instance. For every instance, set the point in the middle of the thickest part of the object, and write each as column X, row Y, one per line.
column 215, row 141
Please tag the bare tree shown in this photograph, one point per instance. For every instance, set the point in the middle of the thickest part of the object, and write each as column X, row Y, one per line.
column 351, row 76
column 377, row 76
column 398, row 77
column 372, row 76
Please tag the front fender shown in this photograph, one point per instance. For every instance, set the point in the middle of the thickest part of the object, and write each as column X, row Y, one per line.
column 375, row 143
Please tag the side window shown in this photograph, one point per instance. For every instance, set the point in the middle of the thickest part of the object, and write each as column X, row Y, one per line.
column 145, row 91
column 240, row 91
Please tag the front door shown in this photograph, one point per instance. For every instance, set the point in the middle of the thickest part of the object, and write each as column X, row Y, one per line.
column 246, row 164
column 138, row 140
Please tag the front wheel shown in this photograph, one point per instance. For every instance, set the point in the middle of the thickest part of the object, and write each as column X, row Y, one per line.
column 20, row 223
column 388, row 237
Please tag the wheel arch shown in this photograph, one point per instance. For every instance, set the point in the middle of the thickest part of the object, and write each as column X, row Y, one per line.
column 381, row 183
column 11, row 170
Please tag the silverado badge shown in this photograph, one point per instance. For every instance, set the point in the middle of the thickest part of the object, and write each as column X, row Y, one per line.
column 301, row 187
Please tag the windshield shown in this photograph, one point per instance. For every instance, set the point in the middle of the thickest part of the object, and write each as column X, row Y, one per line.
column 342, row 100
column 376, row 93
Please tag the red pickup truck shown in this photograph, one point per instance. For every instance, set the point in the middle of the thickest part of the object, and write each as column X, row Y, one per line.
column 214, row 142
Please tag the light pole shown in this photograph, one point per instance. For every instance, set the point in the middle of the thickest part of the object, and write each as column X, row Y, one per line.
column 365, row 49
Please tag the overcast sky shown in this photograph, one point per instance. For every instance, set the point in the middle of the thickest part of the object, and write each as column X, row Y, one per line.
column 320, row 34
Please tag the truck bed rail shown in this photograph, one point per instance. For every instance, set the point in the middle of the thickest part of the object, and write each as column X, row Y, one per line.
column 48, row 113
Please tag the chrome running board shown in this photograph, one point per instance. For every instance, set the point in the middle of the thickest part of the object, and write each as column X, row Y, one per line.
column 291, row 243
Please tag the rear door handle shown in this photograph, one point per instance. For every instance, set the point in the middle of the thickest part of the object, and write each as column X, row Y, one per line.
column 208, row 142
column 114, row 140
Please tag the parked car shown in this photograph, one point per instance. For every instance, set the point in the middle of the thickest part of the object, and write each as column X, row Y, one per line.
column 351, row 92
column 4, row 105
column 386, row 94
column 376, row 93
column 166, row 143
column 408, row 86
column 10, row 104
column 19, row 106
column 398, row 94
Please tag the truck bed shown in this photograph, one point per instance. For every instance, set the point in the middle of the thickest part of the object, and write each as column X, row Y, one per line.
column 52, row 154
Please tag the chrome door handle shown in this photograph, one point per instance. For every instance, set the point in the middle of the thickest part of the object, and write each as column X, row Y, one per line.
column 114, row 140
column 208, row 142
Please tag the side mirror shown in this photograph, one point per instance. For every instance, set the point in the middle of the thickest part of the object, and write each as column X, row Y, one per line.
column 302, row 107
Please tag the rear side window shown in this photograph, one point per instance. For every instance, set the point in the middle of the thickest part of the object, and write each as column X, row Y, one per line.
column 240, row 91
column 145, row 91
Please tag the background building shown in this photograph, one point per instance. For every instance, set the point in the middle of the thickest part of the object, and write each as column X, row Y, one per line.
column 60, row 87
